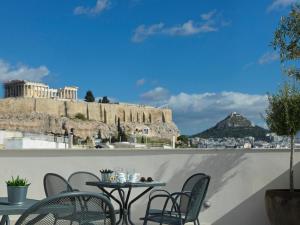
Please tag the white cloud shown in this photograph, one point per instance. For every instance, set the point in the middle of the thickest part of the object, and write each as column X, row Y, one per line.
column 140, row 82
column 196, row 112
column 208, row 15
column 100, row 6
column 210, row 22
column 142, row 31
column 280, row 4
column 190, row 28
column 24, row 72
column 248, row 65
column 268, row 57
column 156, row 96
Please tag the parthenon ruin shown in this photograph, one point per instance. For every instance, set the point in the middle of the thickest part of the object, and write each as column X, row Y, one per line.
column 34, row 107
column 23, row 88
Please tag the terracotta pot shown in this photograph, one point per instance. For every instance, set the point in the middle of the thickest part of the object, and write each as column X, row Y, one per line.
column 283, row 207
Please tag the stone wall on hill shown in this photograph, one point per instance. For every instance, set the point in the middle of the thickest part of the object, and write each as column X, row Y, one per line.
column 47, row 115
column 106, row 113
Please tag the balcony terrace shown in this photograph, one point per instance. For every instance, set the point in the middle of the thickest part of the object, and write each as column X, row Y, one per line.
column 239, row 178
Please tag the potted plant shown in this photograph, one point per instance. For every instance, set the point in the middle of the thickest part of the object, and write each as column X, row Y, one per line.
column 106, row 175
column 283, row 118
column 17, row 190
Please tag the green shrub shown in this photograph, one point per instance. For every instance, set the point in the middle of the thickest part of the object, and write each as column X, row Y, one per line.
column 80, row 116
column 17, row 182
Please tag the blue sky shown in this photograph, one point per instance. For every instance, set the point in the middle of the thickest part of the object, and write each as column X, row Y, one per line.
column 202, row 58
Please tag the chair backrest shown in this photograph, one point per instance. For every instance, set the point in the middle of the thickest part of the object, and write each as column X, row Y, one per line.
column 196, row 187
column 70, row 208
column 78, row 181
column 55, row 184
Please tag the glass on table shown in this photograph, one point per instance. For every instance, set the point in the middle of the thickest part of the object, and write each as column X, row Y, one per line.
column 129, row 174
column 120, row 174
column 133, row 176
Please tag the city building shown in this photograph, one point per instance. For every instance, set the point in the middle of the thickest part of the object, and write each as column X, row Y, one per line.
column 26, row 140
column 28, row 89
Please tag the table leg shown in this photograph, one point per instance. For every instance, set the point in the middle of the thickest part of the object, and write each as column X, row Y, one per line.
column 5, row 220
column 116, row 200
column 124, row 210
column 135, row 199
column 125, row 221
column 125, row 204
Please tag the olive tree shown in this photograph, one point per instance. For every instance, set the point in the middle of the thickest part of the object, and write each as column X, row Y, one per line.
column 283, row 118
column 287, row 41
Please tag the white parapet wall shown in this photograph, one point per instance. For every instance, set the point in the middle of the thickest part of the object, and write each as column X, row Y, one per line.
column 239, row 178
column 9, row 134
column 28, row 143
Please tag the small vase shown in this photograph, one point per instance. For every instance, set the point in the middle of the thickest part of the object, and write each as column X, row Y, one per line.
column 16, row 194
column 106, row 177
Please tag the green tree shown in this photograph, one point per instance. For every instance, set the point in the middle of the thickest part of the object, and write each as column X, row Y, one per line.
column 282, row 117
column 183, row 139
column 114, row 139
column 121, row 132
column 123, row 136
column 100, row 100
column 287, row 41
column 89, row 97
column 99, row 134
column 80, row 116
column 89, row 142
column 105, row 100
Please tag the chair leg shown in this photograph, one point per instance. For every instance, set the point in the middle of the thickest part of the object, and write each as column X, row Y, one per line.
column 198, row 221
column 55, row 220
column 7, row 221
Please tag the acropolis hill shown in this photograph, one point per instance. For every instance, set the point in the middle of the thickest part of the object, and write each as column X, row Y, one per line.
column 45, row 114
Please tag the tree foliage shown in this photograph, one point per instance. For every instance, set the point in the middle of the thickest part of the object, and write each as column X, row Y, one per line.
column 99, row 134
column 143, row 140
column 283, row 118
column 89, row 97
column 121, row 132
column 105, row 100
column 283, row 112
column 80, row 116
column 287, row 40
column 183, row 139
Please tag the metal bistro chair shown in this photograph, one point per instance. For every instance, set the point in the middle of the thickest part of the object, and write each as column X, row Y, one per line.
column 55, row 184
column 78, row 181
column 185, row 205
column 82, row 208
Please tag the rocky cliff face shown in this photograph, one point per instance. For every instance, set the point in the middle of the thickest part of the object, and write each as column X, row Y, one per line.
column 234, row 120
column 42, row 123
